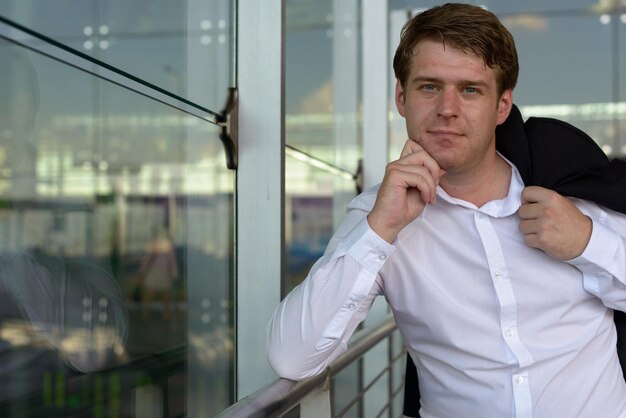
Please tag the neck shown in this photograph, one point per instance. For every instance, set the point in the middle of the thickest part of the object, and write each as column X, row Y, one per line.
column 490, row 182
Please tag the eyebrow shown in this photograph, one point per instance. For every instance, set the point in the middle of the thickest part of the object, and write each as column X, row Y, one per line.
column 438, row 80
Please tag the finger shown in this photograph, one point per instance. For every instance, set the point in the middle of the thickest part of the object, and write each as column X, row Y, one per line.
column 528, row 227
column 430, row 189
column 417, row 177
column 412, row 165
column 531, row 230
column 532, row 240
column 424, row 189
column 422, row 158
column 533, row 194
column 529, row 211
column 410, row 147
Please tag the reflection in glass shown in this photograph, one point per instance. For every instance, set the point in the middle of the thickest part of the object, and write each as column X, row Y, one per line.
column 500, row 7
column 115, row 218
column 322, row 80
column 322, row 125
column 316, row 197
column 184, row 47
column 571, row 67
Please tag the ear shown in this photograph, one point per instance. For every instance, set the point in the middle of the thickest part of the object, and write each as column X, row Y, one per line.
column 399, row 97
column 504, row 106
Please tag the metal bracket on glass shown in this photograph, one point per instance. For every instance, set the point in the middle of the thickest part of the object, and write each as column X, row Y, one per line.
column 358, row 177
column 230, row 133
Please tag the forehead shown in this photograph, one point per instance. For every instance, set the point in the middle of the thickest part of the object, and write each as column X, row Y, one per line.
column 433, row 58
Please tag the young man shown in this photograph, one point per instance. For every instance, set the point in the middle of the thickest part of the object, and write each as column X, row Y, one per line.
column 503, row 293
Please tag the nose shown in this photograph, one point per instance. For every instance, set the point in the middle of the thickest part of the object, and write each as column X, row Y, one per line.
column 448, row 106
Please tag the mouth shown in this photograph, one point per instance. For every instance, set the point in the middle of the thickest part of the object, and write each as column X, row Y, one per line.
column 445, row 134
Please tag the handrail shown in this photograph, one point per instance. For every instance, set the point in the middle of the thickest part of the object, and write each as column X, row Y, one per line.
column 283, row 394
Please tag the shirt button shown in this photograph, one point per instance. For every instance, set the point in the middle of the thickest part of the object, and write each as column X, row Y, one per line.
column 351, row 306
column 510, row 332
column 519, row 380
column 382, row 257
column 498, row 275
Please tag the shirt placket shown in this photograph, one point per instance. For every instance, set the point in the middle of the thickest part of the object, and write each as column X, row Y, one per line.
column 508, row 314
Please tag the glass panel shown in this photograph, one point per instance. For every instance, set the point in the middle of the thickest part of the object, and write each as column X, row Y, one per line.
column 621, row 60
column 315, row 201
column 184, row 47
column 346, row 387
column 585, row 85
column 376, row 399
column 322, row 80
column 621, row 126
column 322, row 125
column 539, row 63
column 500, row 7
column 558, row 6
column 116, row 252
column 620, row 149
column 397, row 403
column 375, row 361
column 552, row 44
column 399, row 363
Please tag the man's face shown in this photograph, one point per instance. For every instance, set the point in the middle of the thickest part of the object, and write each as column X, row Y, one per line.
column 452, row 106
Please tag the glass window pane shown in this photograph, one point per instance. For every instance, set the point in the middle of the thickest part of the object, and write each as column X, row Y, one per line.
column 503, row 7
column 587, row 72
column 620, row 147
column 184, row 47
column 323, row 91
column 346, row 386
column 558, row 6
column 315, row 202
column 582, row 63
column 571, row 67
column 116, row 249
column 322, row 80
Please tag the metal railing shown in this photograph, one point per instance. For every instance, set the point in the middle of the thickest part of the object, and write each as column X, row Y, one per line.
column 314, row 395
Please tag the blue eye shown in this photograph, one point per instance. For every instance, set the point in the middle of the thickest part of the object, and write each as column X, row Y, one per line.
column 470, row 90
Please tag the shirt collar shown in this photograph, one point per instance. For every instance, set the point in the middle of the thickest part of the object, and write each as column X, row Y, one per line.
column 495, row 208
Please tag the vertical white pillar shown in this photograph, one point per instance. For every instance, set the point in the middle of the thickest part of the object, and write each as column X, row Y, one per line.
column 375, row 64
column 376, row 96
column 316, row 404
column 260, row 184
column 345, row 98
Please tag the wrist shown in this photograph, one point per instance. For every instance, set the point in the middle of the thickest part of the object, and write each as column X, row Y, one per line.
column 385, row 232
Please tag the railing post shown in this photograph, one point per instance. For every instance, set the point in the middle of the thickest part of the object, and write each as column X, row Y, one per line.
column 148, row 401
column 317, row 403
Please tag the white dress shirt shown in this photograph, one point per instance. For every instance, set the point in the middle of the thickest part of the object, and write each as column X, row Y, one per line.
column 496, row 328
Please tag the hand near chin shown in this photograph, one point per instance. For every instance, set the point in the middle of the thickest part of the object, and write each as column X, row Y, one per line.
column 409, row 184
column 552, row 223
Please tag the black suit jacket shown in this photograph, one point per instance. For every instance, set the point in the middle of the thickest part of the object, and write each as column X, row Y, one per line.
column 556, row 155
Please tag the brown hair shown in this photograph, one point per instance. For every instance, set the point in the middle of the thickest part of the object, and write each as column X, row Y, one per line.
column 466, row 27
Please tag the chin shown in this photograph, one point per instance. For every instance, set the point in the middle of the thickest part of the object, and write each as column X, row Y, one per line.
column 446, row 162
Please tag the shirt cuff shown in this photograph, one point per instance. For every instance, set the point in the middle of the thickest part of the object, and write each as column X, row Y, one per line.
column 599, row 256
column 367, row 248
